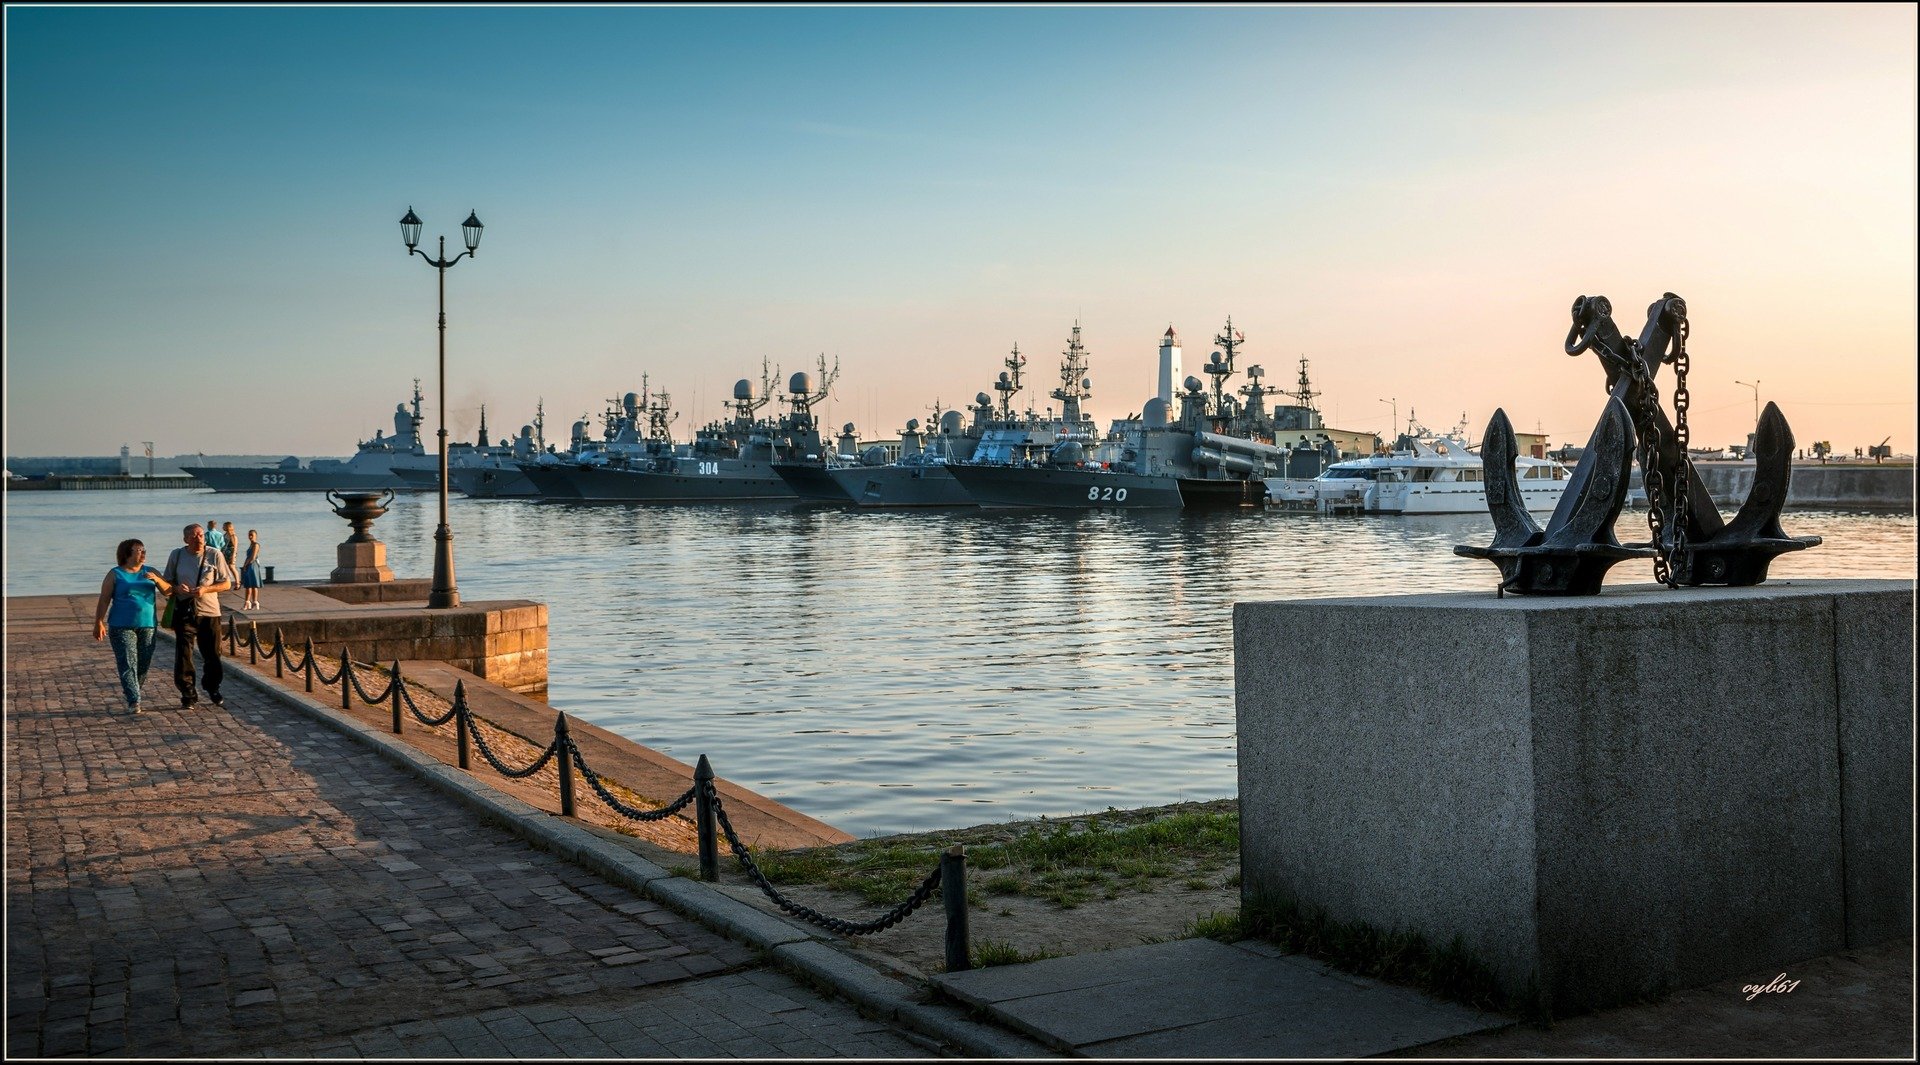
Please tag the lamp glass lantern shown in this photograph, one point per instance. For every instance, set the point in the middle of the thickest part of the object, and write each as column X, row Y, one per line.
column 471, row 229
column 410, row 229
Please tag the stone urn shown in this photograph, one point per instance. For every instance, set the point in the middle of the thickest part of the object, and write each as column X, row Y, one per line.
column 362, row 559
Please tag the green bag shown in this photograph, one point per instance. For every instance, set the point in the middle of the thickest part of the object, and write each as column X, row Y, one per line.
column 166, row 616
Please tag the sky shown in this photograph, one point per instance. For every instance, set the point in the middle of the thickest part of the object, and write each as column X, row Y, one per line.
column 202, row 246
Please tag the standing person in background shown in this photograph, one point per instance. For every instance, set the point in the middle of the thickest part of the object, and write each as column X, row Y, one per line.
column 214, row 539
column 250, row 572
column 229, row 545
column 126, row 614
column 199, row 574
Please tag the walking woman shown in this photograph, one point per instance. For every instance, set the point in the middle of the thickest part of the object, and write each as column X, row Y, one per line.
column 229, row 545
column 125, row 613
column 250, row 572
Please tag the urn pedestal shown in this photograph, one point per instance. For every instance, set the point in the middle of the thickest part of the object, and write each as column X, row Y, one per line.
column 362, row 559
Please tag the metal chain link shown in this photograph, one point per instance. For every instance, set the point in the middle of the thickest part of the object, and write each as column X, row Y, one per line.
column 832, row 924
column 1683, row 495
column 353, row 676
column 1651, row 476
column 621, row 808
column 431, row 722
column 486, row 752
column 320, row 673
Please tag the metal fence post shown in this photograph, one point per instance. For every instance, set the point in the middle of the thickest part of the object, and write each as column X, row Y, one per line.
column 253, row 642
column 953, row 893
column 233, row 634
column 563, row 751
column 396, row 696
column 703, row 819
column 309, row 663
column 460, row 719
column 346, row 680
column 279, row 653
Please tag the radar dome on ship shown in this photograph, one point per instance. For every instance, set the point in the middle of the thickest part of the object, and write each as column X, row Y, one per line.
column 800, row 384
column 874, row 456
column 1193, row 384
column 951, row 422
column 1004, row 377
column 1069, row 453
column 847, row 428
column 1086, row 383
column 913, row 425
column 1154, row 414
column 579, row 428
column 981, row 398
column 526, row 431
column 630, row 400
column 743, row 389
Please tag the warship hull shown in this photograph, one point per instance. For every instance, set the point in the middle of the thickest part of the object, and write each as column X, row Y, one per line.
column 272, row 479
column 1067, row 489
column 492, row 482
column 901, row 486
column 1228, row 492
column 810, row 480
column 730, row 481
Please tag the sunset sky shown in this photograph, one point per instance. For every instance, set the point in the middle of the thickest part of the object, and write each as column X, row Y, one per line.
column 201, row 209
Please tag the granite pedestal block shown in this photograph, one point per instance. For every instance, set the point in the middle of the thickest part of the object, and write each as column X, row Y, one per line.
column 361, row 561
column 1602, row 797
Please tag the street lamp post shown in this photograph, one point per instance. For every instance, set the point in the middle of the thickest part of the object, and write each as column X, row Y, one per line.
column 1395, row 404
column 1755, row 385
column 444, row 593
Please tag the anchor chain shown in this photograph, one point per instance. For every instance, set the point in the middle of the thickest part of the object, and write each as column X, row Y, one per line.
column 1651, row 476
column 1684, row 474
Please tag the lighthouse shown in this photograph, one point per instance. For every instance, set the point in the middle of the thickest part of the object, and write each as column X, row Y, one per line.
column 1169, row 365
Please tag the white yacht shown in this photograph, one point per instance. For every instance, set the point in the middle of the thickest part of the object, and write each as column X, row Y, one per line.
column 1424, row 474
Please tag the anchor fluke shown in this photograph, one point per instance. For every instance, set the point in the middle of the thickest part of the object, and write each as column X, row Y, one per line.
column 1739, row 554
column 1572, row 554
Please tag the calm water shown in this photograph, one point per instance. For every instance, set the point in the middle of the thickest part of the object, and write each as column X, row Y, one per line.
column 885, row 671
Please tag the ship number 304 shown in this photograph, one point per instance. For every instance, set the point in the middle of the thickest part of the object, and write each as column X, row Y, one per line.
column 709, row 469
column 1099, row 494
column 273, row 478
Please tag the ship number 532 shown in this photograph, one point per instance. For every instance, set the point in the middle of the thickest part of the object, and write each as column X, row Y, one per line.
column 273, row 478
column 1107, row 494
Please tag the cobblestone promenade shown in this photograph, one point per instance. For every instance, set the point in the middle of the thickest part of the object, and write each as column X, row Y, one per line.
column 232, row 881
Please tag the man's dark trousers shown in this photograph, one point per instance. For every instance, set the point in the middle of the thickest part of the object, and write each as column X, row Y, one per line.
column 189, row 629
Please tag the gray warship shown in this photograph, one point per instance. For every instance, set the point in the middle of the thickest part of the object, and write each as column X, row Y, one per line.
column 496, row 474
column 1216, row 452
column 920, row 475
column 465, row 462
column 728, row 461
column 373, row 465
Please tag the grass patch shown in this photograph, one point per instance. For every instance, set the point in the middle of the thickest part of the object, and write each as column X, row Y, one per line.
column 1223, row 925
column 988, row 953
column 1063, row 862
column 1449, row 971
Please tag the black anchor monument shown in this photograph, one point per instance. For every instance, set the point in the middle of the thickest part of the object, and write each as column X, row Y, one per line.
column 1690, row 543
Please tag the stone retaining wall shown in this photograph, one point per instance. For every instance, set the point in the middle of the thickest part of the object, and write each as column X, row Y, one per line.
column 503, row 641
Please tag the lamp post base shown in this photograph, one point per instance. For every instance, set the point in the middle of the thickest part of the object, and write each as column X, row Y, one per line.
column 444, row 593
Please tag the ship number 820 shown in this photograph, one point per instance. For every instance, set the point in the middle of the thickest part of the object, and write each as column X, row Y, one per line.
column 1108, row 494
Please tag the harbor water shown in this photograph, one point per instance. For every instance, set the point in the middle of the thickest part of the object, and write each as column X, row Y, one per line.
column 893, row 671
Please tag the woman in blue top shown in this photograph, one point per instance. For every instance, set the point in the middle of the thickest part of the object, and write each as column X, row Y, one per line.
column 125, row 612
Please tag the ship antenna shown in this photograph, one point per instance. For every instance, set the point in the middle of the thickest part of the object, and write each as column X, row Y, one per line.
column 1306, row 393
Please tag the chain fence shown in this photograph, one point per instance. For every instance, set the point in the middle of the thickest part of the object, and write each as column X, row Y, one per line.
column 948, row 875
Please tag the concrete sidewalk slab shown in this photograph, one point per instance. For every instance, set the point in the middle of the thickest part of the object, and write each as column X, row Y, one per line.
column 1196, row 998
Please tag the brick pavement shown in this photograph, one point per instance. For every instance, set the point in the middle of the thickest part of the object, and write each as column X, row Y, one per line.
column 239, row 880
